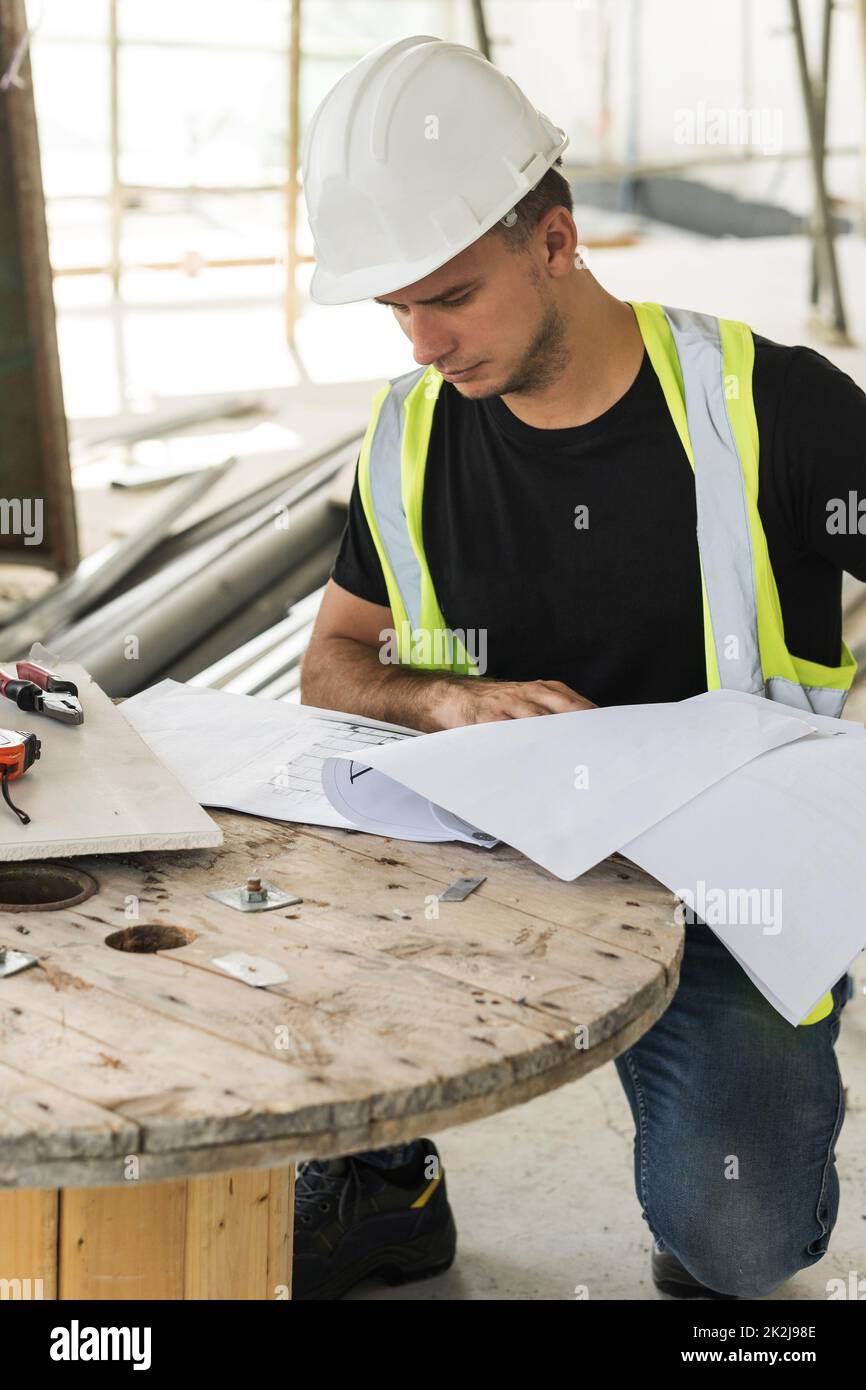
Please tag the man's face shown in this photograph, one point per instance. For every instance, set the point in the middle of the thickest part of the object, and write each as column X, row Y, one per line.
column 494, row 313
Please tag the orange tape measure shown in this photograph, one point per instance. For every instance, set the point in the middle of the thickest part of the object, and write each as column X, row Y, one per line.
column 18, row 751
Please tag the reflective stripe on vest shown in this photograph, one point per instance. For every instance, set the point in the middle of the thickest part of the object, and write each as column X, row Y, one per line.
column 386, row 492
column 724, row 538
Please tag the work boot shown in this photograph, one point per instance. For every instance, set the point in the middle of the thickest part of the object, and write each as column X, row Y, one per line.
column 672, row 1278
column 354, row 1220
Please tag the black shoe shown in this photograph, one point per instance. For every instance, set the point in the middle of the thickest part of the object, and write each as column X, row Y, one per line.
column 354, row 1221
column 672, row 1278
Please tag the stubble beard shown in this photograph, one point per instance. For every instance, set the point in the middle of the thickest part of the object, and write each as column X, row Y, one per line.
column 545, row 359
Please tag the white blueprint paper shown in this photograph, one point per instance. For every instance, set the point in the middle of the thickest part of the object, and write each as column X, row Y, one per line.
column 265, row 757
column 569, row 789
column 776, row 855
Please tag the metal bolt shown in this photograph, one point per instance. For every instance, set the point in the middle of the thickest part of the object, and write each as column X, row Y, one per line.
column 254, row 892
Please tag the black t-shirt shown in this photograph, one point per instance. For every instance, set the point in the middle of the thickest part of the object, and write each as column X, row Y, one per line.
column 612, row 607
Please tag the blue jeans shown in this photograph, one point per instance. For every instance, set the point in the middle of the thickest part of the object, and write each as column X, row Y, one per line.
column 736, row 1118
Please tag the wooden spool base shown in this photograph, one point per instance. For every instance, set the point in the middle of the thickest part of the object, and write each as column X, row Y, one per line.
column 223, row 1236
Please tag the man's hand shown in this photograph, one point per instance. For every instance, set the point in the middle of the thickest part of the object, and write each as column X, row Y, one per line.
column 342, row 670
column 477, row 700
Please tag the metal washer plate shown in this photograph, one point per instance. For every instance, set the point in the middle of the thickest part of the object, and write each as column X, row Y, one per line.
column 277, row 897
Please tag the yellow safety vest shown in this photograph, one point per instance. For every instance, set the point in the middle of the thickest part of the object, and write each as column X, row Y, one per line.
column 704, row 366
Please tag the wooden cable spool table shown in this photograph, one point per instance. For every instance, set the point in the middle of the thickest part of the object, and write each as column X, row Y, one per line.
column 152, row 1107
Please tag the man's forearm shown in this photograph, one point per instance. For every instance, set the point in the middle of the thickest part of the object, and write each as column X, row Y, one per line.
column 340, row 673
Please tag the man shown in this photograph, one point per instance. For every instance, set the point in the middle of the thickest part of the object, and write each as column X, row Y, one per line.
column 577, row 477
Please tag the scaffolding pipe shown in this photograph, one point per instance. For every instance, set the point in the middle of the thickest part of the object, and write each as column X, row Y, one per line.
column 824, row 225
column 98, row 573
column 176, row 607
column 482, row 38
column 171, row 618
column 821, row 90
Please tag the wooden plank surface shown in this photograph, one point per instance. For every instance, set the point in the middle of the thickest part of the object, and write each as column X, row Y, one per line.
column 400, row 1015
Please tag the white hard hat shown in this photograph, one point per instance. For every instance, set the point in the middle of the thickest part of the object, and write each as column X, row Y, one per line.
column 415, row 153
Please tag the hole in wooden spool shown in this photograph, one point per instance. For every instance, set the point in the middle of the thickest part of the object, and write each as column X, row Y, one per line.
column 153, row 937
column 38, row 887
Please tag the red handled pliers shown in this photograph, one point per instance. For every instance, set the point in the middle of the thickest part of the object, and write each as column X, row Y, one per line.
column 41, row 692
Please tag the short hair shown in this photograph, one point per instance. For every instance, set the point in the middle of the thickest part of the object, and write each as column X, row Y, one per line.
column 552, row 191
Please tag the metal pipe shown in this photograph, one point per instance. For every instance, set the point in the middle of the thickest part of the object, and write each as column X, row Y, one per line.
column 824, row 227
column 218, row 522
column 284, row 689
column 263, row 673
column 160, row 587
column 821, row 90
column 632, row 124
column 126, row 657
column 236, row 668
column 482, row 38
column 152, row 425
column 268, row 607
column 188, row 598
column 98, row 573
